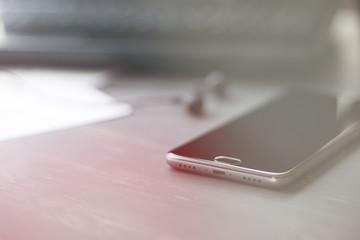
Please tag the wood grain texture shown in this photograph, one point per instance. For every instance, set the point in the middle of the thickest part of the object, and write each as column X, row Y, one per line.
column 111, row 181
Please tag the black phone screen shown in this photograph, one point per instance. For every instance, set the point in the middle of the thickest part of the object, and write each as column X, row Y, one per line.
column 274, row 138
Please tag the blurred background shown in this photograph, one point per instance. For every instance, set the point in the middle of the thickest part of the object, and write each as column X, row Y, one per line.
column 50, row 48
column 267, row 36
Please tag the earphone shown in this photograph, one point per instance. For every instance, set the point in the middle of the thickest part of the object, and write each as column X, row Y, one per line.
column 214, row 83
column 196, row 102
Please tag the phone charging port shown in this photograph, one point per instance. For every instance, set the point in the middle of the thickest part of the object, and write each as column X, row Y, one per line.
column 217, row 172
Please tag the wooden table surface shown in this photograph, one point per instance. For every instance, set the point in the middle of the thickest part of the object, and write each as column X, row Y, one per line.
column 111, row 181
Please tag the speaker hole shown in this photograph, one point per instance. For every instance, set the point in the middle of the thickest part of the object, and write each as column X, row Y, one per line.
column 217, row 172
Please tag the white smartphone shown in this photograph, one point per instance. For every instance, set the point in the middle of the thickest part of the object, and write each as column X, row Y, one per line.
column 274, row 144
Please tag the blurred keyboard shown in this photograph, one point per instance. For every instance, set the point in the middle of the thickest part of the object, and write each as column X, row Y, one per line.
column 167, row 23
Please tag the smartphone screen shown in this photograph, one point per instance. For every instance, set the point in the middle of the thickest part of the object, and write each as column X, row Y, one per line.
column 274, row 138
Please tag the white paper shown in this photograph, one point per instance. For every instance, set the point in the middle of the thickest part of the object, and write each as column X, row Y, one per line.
column 31, row 106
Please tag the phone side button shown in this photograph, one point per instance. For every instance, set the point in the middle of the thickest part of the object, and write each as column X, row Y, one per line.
column 227, row 160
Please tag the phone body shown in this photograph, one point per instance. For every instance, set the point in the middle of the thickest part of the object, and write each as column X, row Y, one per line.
column 274, row 144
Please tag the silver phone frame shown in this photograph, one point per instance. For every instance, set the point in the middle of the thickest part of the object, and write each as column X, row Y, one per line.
column 263, row 178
